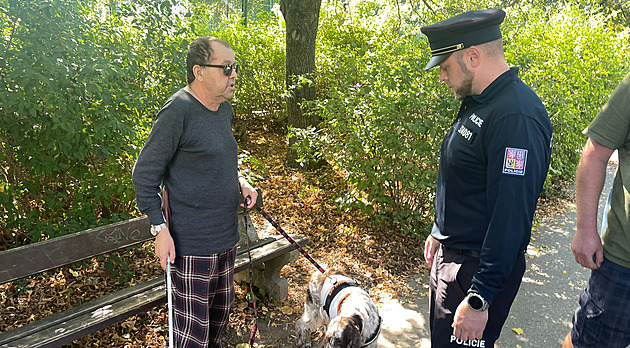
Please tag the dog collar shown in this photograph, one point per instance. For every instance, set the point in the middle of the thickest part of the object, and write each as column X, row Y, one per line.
column 375, row 335
column 334, row 291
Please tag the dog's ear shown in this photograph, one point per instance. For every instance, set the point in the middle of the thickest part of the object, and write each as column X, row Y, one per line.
column 343, row 332
column 357, row 321
column 309, row 297
column 353, row 330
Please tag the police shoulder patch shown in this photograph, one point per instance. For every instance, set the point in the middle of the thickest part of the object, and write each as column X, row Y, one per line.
column 515, row 161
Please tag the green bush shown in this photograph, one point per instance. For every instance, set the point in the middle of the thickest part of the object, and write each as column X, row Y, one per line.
column 78, row 86
column 259, row 48
column 573, row 58
column 385, row 117
column 62, row 118
column 82, row 82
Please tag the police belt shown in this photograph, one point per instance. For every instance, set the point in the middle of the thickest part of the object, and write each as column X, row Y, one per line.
column 455, row 251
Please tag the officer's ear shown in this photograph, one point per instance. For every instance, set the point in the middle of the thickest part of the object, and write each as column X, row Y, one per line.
column 472, row 56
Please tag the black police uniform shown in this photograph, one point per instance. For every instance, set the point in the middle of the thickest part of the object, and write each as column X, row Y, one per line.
column 494, row 161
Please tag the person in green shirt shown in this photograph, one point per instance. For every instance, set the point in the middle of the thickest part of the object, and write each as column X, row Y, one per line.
column 603, row 316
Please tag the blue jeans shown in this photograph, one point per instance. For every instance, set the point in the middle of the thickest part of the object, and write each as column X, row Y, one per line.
column 603, row 317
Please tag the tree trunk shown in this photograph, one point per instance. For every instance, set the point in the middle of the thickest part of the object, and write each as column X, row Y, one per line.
column 302, row 19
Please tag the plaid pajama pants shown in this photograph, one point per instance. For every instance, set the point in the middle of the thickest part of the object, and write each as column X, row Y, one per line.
column 203, row 293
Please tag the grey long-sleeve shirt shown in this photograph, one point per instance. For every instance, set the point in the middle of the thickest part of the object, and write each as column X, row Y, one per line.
column 192, row 150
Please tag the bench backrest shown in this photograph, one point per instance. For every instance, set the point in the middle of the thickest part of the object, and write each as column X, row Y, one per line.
column 38, row 257
column 43, row 256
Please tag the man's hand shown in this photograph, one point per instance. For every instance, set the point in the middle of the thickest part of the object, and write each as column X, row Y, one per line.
column 430, row 248
column 164, row 247
column 248, row 190
column 590, row 177
column 469, row 324
column 587, row 248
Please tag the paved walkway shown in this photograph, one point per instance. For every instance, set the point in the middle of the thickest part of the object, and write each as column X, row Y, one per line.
column 541, row 313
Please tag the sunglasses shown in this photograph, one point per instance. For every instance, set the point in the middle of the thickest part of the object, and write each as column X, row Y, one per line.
column 227, row 68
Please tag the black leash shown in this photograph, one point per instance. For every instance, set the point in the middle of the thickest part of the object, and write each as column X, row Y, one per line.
column 293, row 242
column 297, row 246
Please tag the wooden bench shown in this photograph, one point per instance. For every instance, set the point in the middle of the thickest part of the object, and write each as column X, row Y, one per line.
column 269, row 255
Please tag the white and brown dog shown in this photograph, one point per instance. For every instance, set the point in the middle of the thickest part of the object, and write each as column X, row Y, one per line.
column 337, row 303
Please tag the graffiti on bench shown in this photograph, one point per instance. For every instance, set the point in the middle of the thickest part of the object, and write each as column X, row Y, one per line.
column 117, row 235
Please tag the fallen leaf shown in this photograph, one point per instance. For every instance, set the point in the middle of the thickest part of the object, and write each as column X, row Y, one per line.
column 286, row 310
column 518, row 331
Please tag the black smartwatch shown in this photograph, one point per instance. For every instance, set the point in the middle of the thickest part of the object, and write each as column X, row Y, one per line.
column 476, row 302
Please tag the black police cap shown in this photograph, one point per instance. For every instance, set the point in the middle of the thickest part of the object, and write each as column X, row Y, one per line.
column 462, row 31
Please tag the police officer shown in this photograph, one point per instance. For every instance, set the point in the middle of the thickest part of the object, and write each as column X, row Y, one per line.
column 493, row 163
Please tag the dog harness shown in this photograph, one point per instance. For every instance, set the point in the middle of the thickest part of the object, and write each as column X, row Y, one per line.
column 335, row 290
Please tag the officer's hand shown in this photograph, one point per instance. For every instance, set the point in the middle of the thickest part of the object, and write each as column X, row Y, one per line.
column 164, row 247
column 469, row 324
column 587, row 248
column 430, row 249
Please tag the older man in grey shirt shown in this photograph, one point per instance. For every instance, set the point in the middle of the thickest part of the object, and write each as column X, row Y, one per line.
column 191, row 150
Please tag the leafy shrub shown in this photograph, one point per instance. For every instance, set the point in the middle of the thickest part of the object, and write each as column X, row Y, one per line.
column 259, row 48
column 67, row 120
column 379, row 109
column 385, row 117
column 573, row 59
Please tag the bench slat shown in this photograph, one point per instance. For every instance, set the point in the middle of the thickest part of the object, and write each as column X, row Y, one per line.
column 67, row 326
column 56, row 252
column 72, row 324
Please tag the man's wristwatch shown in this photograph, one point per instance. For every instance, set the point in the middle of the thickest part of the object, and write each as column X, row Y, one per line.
column 476, row 302
column 155, row 229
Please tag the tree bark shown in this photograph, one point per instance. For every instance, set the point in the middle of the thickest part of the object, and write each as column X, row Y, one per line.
column 302, row 19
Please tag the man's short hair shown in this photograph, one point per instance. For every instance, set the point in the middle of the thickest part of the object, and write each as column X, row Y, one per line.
column 493, row 48
column 200, row 52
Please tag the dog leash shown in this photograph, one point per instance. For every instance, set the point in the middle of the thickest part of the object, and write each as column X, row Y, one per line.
column 295, row 244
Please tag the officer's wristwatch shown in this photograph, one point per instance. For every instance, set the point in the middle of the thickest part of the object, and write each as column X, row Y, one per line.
column 155, row 229
column 476, row 302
